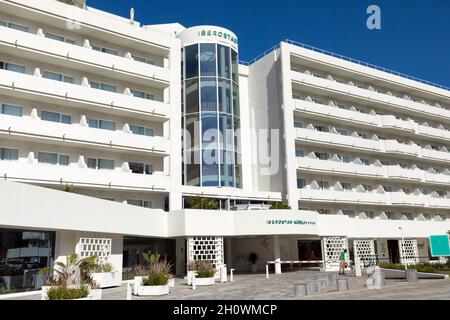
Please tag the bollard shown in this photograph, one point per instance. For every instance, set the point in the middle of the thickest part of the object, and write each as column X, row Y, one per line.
column 342, row 284
column 357, row 267
column 301, row 289
column 194, row 286
column 223, row 274
column 313, row 287
column 379, row 279
column 128, row 291
column 231, row 275
column 267, row 271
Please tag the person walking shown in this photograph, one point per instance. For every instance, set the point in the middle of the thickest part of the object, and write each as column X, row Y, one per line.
column 342, row 262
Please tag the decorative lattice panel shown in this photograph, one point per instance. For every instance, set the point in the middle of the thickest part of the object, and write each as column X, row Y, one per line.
column 365, row 251
column 207, row 249
column 100, row 247
column 409, row 252
column 332, row 247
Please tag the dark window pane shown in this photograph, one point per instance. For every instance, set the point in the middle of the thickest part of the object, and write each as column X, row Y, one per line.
column 50, row 116
column 227, row 169
column 192, row 96
column 192, row 132
column 235, row 66
column 11, row 110
column 209, row 130
column 9, row 154
column 63, row 160
column 208, row 92
column 236, row 108
column 66, row 119
column 48, row 158
column 136, row 167
column 223, row 56
column 226, row 131
column 208, row 59
column 224, row 95
column 92, row 163
column 191, row 61
column 105, row 164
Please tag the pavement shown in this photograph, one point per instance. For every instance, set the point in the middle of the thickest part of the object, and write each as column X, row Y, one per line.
column 282, row 287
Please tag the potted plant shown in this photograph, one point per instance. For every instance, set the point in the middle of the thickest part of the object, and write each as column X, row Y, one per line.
column 71, row 280
column 205, row 273
column 106, row 276
column 253, row 257
column 156, row 279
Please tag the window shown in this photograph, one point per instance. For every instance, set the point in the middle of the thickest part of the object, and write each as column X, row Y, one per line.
column 141, row 131
column 365, row 162
column 343, row 158
column 101, row 164
column 142, row 94
column 11, row 110
column 370, row 215
column 301, row 183
column 322, row 155
column 103, row 86
column 387, row 189
column 102, row 124
column 441, row 193
column 367, row 187
column 12, row 67
column 322, row 128
column 17, row 27
column 59, row 38
column 57, row 77
column 191, row 58
column 342, row 132
column 141, row 168
column 385, row 162
column 406, row 190
column 362, row 135
column 56, row 117
column 323, row 185
column 299, row 153
column 427, row 216
column 140, row 203
column 53, row 158
column 298, row 124
column 348, row 213
column 403, row 165
column 105, row 50
column 390, row 215
column 9, row 154
column 143, row 60
column 408, row 216
column 346, row 186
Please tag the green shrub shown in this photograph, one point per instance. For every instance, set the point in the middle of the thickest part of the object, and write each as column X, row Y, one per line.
column 3, row 290
column 204, row 203
column 156, row 279
column 279, row 206
column 205, row 274
column 65, row 293
column 420, row 267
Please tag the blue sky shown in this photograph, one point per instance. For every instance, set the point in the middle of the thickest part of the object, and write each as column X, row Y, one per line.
column 414, row 36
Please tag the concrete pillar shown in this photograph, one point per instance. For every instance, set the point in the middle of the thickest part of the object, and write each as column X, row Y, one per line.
column 276, row 254
column 229, row 261
column 180, row 256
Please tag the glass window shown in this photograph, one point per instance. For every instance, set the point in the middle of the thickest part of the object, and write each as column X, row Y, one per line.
column 140, row 203
column 14, row 67
column 370, row 215
column 322, row 155
column 298, row 124
column 11, row 110
column 141, row 168
column 390, row 215
column 323, row 185
column 301, row 183
column 299, row 153
column 102, row 124
column 18, row 27
column 322, row 128
column 9, row 154
column 235, row 66
column 223, row 63
column 210, row 172
column 367, row 187
column 192, row 131
column 192, row 98
column 64, row 160
column 92, row 163
column 226, row 131
column 342, row 132
column 48, row 158
column 346, row 186
column 365, row 162
column 348, row 213
column 66, row 119
column 59, row 38
column 143, row 60
column 227, row 169
column 50, row 116
column 236, row 106
column 103, row 86
column 105, row 50
column 142, row 94
column 105, row 164
column 343, row 158
column 192, row 161
column 225, row 96
column 208, row 93
column 141, row 131
column 387, row 189
column 209, row 130
column 208, row 59
column 3, row 23
column 57, row 77
column 191, row 61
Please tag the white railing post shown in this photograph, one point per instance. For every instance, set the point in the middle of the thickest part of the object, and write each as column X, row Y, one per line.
column 231, row 275
column 128, row 291
column 267, row 271
column 193, row 281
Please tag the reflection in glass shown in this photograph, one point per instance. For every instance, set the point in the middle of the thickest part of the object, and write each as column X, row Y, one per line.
column 193, row 129
column 224, row 95
column 235, row 66
column 192, row 95
column 223, row 61
column 191, row 61
column 226, row 131
column 208, row 93
column 209, row 130
column 192, row 161
column 210, row 168
column 226, row 169
column 236, row 110
column 208, row 59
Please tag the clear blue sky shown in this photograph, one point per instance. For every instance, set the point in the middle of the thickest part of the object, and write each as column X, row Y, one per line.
column 414, row 39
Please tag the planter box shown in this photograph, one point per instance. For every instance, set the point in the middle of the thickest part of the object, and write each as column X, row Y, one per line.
column 153, row 290
column 107, row 279
column 95, row 294
column 190, row 275
column 171, row 283
column 205, row 281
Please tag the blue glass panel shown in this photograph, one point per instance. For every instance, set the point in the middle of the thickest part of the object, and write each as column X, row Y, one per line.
column 209, row 130
column 208, row 59
column 208, row 93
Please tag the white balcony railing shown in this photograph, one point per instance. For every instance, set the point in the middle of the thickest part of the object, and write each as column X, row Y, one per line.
column 76, row 134
column 61, row 175
column 40, row 89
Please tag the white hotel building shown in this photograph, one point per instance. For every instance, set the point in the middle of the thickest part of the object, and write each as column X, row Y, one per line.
column 100, row 102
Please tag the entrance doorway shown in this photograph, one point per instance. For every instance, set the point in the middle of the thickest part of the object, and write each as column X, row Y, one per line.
column 310, row 250
column 394, row 252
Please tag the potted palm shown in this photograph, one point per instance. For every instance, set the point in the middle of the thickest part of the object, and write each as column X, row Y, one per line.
column 156, row 279
column 204, row 273
column 253, row 257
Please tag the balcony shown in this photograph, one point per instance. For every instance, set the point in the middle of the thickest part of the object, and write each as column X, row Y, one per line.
column 67, row 94
column 393, row 146
column 24, row 171
column 410, row 200
column 40, row 48
column 435, row 155
column 81, row 136
column 365, row 94
column 335, row 167
column 349, row 197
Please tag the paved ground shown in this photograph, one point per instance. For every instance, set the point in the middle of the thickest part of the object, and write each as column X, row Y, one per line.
column 281, row 287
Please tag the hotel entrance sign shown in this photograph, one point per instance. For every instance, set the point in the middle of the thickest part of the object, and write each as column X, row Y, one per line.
column 440, row 246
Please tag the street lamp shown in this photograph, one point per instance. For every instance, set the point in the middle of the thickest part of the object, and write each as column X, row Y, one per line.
column 403, row 248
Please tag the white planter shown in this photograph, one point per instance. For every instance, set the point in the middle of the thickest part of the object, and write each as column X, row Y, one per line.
column 171, row 283
column 107, row 279
column 154, row 290
column 95, row 294
column 44, row 292
column 138, row 281
column 190, row 275
column 205, row 281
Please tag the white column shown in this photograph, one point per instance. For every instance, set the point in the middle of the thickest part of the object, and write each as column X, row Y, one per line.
column 229, row 262
column 276, row 254
column 180, row 256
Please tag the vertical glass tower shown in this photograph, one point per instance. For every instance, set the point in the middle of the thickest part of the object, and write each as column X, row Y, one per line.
column 210, row 108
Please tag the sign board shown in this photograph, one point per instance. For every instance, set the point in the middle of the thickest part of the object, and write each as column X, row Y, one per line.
column 440, row 246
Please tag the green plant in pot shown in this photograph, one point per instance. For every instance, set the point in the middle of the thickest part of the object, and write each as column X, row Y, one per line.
column 204, row 269
column 253, row 257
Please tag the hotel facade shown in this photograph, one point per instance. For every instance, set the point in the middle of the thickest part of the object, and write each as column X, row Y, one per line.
column 109, row 129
